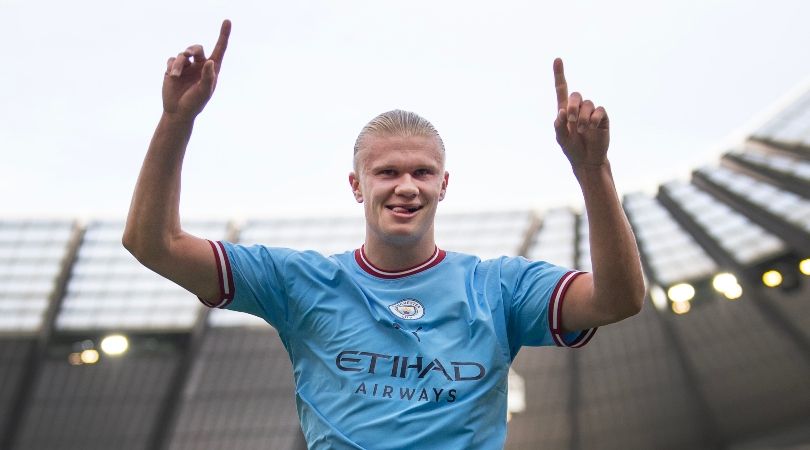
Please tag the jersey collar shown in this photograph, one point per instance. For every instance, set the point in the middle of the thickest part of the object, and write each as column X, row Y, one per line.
column 365, row 264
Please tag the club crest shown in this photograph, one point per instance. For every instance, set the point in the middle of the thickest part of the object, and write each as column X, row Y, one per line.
column 408, row 309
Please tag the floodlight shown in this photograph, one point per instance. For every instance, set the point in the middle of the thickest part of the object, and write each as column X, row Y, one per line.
column 726, row 284
column 804, row 266
column 681, row 292
column 733, row 292
column 516, row 398
column 772, row 278
column 722, row 282
column 681, row 307
column 114, row 345
column 659, row 297
column 89, row 356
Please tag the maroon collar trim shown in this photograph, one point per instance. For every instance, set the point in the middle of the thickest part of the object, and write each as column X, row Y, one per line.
column 365, row 264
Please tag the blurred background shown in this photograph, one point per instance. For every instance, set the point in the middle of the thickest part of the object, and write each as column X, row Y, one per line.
column 710, row 113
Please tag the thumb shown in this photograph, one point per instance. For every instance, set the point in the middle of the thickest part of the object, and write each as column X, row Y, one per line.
column 560, row 123
column 208, row 76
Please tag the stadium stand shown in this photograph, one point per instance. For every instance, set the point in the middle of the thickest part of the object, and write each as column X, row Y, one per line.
column 240, row 392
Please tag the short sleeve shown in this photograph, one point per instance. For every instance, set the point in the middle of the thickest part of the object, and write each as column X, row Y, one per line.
column 251, row 280
column 535, row 292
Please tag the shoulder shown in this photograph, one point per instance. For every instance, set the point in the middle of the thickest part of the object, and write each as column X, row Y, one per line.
column 257, row 254
column 465, row 262
column 461, row 258
column 514, row 271
column 509, row 264
column 483, row 270
column 496, row 264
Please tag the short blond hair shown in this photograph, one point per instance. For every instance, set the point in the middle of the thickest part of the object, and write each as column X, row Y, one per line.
column 397, row 123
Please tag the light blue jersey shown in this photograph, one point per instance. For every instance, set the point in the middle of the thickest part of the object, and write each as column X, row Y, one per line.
column 416, row 359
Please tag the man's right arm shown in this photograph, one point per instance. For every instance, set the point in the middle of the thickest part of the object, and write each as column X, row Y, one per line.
column 153, row 233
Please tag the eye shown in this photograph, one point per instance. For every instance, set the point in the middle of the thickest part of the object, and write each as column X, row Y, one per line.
column 421, row 173
column 387, row 172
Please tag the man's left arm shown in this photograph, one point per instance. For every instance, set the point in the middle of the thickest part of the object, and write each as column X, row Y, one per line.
column 615, row 288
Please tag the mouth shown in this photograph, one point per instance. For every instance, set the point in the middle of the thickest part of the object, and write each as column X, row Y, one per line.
column 403, row 209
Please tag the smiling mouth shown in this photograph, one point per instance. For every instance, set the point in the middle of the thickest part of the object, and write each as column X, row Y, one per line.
column 404, row 209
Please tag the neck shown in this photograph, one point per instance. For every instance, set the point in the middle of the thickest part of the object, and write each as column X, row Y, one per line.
column 395, row 256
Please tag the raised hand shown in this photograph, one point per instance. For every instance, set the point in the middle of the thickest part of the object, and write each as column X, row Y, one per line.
column 191, row 78
column 582, row 129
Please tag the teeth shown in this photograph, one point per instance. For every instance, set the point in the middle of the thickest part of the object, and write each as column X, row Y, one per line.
column 402, row 209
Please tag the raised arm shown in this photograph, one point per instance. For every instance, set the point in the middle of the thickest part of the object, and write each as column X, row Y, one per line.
column 615, row 289
column 153, row 233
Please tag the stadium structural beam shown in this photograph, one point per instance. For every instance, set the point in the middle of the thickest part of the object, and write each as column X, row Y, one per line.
column 795, row 150
column 698, row 402
column 574, row 400
column 790, row 233
column 166, row 420
column 530, row 234
column 21, row 401
column 782, row 180
column 724, row 260
column 710, row 430
column 776, row 317
column 575, row 374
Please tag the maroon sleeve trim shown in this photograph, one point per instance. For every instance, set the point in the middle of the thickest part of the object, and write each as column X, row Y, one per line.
column 224, row 277
column 555, row 314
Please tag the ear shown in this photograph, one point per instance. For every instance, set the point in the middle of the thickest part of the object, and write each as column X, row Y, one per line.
column 354, row 181
column 445, row 181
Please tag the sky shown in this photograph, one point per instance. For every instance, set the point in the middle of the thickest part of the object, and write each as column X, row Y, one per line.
column 80, row 95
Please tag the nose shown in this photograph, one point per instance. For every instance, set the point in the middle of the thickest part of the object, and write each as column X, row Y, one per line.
column 406, row 187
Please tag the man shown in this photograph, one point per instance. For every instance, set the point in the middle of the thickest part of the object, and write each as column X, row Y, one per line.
column 397, row 344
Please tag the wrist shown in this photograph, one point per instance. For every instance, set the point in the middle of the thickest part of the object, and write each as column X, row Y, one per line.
column 585, row 169
column 176, row 119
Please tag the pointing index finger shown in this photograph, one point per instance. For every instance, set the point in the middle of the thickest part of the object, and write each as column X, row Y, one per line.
column 222, row 43
column 560, row 85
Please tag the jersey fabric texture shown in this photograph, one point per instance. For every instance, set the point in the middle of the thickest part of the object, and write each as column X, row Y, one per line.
column 416, row 359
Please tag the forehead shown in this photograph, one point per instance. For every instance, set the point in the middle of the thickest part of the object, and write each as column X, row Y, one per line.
column 383, row 150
